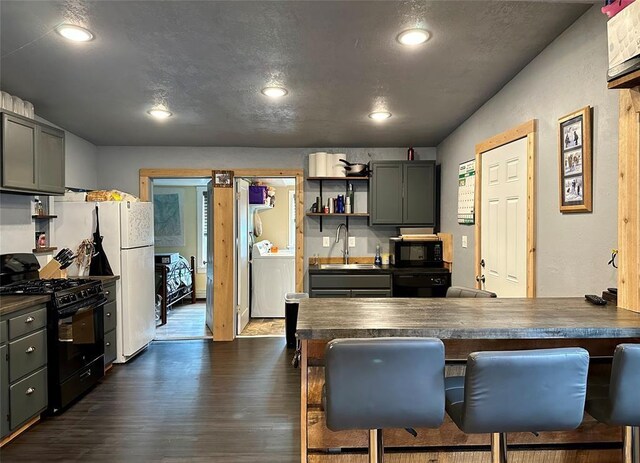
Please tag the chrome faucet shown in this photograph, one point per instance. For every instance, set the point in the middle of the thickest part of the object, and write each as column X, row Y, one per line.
column 345, row 251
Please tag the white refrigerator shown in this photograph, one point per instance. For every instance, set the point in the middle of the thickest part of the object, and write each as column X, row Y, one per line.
column 127, row 228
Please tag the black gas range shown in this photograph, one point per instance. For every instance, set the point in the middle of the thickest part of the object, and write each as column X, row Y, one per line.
column 75, row 326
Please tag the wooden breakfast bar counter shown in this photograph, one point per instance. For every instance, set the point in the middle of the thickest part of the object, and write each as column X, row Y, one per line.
column 464, row 325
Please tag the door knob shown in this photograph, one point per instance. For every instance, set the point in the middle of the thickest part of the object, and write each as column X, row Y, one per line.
column 480, row 278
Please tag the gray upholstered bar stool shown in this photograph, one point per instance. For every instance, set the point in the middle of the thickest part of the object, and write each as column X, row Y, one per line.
column 519, row 391
column 615, row 400
column 461, row 291
column 379, row 383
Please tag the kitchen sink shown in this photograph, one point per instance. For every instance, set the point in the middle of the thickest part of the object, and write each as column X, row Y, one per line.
column 348, row 267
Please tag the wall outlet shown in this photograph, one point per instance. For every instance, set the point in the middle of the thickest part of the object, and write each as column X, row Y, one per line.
column 326, row 241
column 352, row 241
column 464, row 241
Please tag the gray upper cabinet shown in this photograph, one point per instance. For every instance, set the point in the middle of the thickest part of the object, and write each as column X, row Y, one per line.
column 32, row 156
column 50, row 160
column 19, row 163
column 403, row 193
column 419, row 202
column 385, row 193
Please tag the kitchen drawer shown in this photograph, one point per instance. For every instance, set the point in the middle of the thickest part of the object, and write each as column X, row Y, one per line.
column 4, row 332
column 23, row 324
column 109, row 314
column 110, row 352
column 28, row 398
column 330, row 293
column 370, row 293
column 345, row 281
column 110, row 291
column 27, row 354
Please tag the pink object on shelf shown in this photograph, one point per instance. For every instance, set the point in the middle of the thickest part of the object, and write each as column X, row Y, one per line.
column 615, row 7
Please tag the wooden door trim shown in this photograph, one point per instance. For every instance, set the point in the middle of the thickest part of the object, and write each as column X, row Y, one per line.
column 223, row 234
column 527, row 130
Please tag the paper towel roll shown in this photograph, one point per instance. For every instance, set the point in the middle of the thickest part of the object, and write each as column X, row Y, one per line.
column 312, row 165
column 338, row 167
column 321, row 164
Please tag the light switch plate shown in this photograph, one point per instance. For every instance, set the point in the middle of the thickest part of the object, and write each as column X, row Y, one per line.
column 326, row 241
column 352, row 241
column 464, row 241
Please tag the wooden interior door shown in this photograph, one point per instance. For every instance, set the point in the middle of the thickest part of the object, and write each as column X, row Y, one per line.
column 209, row 239
column 504, row 219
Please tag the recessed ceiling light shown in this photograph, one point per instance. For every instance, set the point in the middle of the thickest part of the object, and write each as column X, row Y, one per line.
column 413, row 36
column 380, row 115
column 74, row 33
column 274, row 92
column 159, row 113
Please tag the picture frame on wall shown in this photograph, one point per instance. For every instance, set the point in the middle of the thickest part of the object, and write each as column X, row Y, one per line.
column 223, row 179
column 575, row 158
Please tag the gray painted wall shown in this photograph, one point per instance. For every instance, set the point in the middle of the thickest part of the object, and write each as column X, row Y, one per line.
column 118, row 168
column 573, row 249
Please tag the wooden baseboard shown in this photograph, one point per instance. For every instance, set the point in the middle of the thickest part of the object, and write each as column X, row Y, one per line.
column 22, row 429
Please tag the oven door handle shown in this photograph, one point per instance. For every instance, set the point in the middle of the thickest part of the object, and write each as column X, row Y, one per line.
column 88, row 307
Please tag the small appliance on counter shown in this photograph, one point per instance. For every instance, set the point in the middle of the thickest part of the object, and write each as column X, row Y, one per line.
column 75, row 330
column 418, row 264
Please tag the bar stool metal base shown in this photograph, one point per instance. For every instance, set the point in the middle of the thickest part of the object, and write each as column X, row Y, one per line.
column 376, row 446
column 631, row 444
column 498, row 447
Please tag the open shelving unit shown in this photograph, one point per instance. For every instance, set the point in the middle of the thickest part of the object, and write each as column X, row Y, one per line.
column 347, row 180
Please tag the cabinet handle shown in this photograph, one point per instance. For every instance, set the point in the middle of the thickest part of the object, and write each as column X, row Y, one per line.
column 108, row 344
column 30, row 391
column 30, row 349
column 29, row 320
column 108, row 314
column 106, row 293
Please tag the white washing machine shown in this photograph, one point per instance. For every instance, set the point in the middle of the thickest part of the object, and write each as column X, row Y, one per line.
column 273, row 275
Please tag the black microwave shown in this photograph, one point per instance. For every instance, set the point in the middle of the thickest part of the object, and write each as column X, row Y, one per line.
column 427, row 253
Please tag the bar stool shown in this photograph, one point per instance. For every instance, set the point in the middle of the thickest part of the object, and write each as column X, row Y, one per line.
column 519, row 391
column 616, row 400
column 379, row 383
column 461, row 291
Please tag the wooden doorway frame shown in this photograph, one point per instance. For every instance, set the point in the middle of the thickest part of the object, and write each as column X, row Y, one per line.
column 223, row 230
column 527, row 130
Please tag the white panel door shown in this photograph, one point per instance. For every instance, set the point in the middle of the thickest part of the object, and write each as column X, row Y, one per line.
column 242, row 254
column 136, row 315
column 504, row 219
column 137, row 224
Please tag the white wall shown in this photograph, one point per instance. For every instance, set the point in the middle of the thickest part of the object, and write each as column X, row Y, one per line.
column 573, row 249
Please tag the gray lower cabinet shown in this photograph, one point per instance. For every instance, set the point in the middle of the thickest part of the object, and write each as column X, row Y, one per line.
column 23, row 367
column 4, row 391
column 33, row 156
column 403, row 193
column 110, row 314
column 350, row 285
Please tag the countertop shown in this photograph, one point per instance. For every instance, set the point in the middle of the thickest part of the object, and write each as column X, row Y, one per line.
column 383, row 269
column 104, row 279
column 10, row 304
column 465, row 318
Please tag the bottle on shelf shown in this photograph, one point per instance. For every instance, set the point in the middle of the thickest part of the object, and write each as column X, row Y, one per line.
column 378, row 258
column 350, row 197
column 410, row 154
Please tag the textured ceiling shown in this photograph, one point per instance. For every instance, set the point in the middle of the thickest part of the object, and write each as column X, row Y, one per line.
column 208, row 61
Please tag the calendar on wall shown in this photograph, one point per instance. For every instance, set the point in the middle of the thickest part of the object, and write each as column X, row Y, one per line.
column 466, row 192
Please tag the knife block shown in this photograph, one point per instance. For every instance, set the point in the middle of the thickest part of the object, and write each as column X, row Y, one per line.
column 52, row 270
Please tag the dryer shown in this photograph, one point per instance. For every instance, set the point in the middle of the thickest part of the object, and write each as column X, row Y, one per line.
column 273, row 275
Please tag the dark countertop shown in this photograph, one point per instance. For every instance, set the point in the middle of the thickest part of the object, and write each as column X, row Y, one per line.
column 466, row 318
column 104, row 279
column 383, row 269
column 10, row 304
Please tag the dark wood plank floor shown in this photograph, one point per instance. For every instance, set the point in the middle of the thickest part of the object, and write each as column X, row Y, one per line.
column 197, row 401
